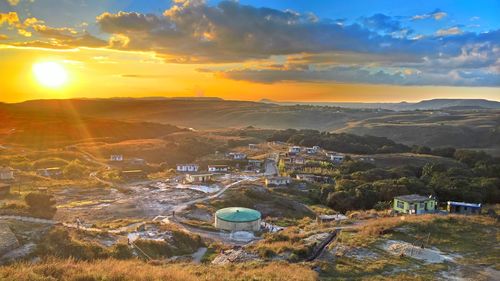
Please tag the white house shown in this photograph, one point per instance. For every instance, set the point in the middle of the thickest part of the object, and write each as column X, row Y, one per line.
column 198, row 178
column 336, row 158
column 298, row 160
column 218, row 168
column 116, row 158
column 6, row 173
column 311, row 150
column 253, row 146
column 294, row 149
column 187, row 167
column 237, row 155
column 278, row 181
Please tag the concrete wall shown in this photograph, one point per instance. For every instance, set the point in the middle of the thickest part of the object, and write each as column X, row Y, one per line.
column 237, row 226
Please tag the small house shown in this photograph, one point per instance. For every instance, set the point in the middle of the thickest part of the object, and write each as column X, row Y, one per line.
column 336, row 158
column 133, row 174
column 278, row 181
column 4, row 189
column 237, row 155
column 116, row 158
column 298, row 160
column 53, row 172
column 294, row 149
column 198, row 178
column 311, row 150
column 463, row 208
column 414, row 204
column 187, row 168
column 218, row 168
column 6, row 173
column 317, row 148
column 253, row 146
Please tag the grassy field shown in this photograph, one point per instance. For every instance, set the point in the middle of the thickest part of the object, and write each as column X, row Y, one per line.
column 71, row 270
column 470, row 243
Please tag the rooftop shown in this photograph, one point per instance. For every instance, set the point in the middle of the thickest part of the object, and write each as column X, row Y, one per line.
column 472, row 205
column 412, row 198
column 238, row 214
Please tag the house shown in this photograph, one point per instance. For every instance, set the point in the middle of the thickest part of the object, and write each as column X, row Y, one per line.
column 336, row 158
column 198, row 178
column 414, row 204
column 4, row 190
column 133, row 174
column 463, row 208
column 298, row 161
column 53, row 172
column 6, row 173
column 116, row 158
column 218, row 168
column 317, row 148
column 187, row 168
column 237, row 155
column 254, row 165
column 278, row 181
column 294, row 149
column 311, row 150
column 253, row 146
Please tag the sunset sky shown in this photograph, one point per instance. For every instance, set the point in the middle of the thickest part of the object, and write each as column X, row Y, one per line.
column 315, row 50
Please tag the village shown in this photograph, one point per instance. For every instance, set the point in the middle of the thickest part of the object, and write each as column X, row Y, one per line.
column 232, row 201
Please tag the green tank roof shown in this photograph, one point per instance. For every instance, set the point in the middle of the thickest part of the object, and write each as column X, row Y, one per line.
column 238, row 214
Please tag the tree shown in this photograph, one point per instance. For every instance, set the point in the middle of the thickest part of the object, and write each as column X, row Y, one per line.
column 41, row 205
column 75, row 170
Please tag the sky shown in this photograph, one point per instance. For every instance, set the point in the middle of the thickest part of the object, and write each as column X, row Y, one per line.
column 315, row 50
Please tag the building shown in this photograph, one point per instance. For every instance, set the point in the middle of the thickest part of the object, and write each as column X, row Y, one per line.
column 237, row 155
column 6, row 173
column 298, row 160
column 255, row 165
column 4, row 189
column 278, row 181
column 253, row 146
column 238, row 219
column 133, row 174
column 116, row 158
column 311, row 150
column 414, row 204
column 317, row 148
column 218, row 168
column 463, row 208
column 336, row 158
column 187, row 168
column 294, row 149
column 198, row 178
column 53, row 172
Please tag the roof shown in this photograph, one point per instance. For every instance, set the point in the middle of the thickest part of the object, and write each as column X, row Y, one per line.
column 412, row 198
column 238, row 214
column 472, row 205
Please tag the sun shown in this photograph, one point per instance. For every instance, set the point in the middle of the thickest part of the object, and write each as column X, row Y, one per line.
column 50, row 74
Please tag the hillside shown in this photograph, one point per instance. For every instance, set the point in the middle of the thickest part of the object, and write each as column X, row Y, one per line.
column 457, row 126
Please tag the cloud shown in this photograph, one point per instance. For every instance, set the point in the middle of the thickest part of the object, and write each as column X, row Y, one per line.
column 3, row 37
column 11, row 18
column 449, row 31
column 436, row 14
column 382, row 22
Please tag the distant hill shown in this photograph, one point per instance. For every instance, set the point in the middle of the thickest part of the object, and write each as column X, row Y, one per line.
column 455, row 124
column 434, row 104
column 447, row 103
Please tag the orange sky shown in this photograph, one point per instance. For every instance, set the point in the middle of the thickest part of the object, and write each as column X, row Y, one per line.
column 103, row 73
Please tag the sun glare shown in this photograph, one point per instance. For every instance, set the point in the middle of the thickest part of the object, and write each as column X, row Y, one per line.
column 50, row 74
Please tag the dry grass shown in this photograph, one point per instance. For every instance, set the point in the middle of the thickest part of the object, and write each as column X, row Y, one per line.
column 69, row 270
